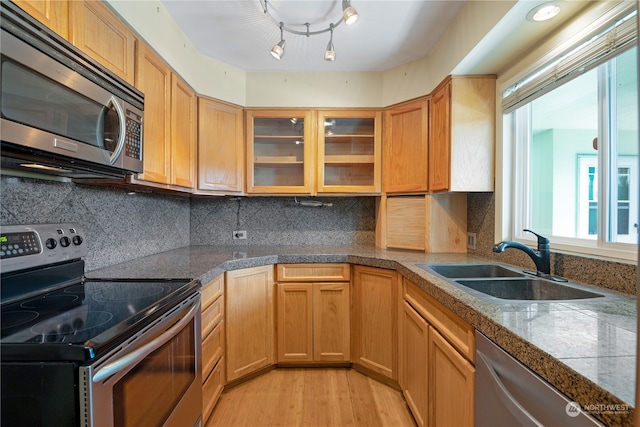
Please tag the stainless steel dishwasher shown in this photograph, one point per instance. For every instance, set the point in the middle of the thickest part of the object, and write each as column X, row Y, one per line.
column 509, row 394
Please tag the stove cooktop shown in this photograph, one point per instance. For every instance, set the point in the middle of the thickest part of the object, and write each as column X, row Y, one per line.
column 81, row 321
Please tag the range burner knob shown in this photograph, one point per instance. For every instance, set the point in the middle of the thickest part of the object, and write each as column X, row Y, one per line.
column 51, row 243
column 77, row 240
column 65, row 241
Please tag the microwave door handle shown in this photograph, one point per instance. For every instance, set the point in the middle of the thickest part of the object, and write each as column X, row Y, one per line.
column 139, row 354
column 123, row 128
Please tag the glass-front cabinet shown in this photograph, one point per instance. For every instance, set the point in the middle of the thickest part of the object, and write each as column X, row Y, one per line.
column 280, row 151
column 349, row 151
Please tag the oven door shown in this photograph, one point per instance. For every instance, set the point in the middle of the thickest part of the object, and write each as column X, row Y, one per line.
column 152, row 379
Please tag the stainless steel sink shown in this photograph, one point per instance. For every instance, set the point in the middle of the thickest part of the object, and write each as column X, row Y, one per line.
column 463, row 271
column 527, row 289
column 507, row 283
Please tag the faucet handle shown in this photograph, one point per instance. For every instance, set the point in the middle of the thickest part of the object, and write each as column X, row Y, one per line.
column 543, row 242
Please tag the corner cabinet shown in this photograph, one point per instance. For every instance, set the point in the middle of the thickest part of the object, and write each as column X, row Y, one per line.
column 349, row 151
column 280, row 151
column 220, row 147
column 169, row 123
column 249, row 318
column 374, row 318
column 462, row 134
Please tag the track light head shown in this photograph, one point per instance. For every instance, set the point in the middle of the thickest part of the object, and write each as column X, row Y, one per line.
column 349, row 13
column 278, row 50
column 330, row 53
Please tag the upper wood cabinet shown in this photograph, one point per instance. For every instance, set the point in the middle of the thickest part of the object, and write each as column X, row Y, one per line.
column 349, row 151
column 406, row 136
column 169, row 122
column 99, row 32
column 52, row 13
column 462, row 134
column 280, row 151
column 220, row 147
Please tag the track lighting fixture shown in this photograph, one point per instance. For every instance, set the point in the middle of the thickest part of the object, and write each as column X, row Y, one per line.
column 278, row 50
column 349, row 16
column 330, row 53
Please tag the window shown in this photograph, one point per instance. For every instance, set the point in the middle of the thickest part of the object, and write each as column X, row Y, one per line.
column 574, row 127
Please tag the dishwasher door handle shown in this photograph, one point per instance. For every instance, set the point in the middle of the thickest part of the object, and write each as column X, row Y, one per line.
column 509, row 401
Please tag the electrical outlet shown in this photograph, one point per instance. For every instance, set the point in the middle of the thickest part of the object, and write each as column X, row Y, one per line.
column 471, row 241
column 240, row 235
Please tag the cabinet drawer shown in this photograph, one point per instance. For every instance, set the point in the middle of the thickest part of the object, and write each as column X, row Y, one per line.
column 211, row 316
column 212, row 290
column 313, row 272
column 458, row 332
column 211, row 390
column 212, row 349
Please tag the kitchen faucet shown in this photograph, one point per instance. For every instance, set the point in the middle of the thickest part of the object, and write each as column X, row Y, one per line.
column 541, row 258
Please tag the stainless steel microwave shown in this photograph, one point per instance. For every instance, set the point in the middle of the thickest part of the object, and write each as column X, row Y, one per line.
column 62, row 113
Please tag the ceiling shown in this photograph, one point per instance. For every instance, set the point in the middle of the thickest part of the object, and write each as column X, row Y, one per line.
column 389, row 33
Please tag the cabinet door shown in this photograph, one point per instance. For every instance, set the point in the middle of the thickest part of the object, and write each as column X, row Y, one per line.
column 331, row 326
column 440, row 139
column 52, row 13
column 249, row 320
column 220, row 146
column 405, row 147
column 183, row 133
column 153, row 78
column 374, row 316
column 280, row 151
column 414, row 337
column 451, row 385
column 349, row 151
column 98, row 32
column 295, row 322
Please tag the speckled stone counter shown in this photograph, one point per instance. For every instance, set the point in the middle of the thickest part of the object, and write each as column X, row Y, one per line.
column 586, row 348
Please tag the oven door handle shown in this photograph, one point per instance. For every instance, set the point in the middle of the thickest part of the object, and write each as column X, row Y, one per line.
column 139, row 354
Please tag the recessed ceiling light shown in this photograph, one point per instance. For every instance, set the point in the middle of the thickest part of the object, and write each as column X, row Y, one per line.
column 544, row 11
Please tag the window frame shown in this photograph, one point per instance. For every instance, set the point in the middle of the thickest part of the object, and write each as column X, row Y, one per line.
column 508, row 221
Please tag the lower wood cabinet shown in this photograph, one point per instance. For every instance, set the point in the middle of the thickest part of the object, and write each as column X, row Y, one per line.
column 437, row 376
column 375, row 320
column 313, row 317
column 212, row 344
column 249, row 317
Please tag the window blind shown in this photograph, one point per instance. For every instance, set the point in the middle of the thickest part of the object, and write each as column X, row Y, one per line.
column 584, row 56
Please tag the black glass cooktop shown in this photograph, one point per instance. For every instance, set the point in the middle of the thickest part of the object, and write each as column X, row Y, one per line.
column 80, row 321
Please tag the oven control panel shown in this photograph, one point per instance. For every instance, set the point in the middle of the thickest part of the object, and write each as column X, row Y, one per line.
column 35, row 245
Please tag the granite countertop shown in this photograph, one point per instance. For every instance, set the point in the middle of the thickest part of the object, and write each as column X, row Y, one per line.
column 586, row 348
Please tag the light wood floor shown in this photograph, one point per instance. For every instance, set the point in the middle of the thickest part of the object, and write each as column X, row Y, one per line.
column 313, row 397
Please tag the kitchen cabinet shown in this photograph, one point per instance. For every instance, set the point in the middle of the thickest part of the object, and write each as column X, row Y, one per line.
column 462, row 134
column 99, row 32
column 313, row 313
column 249, row 318
column 349, row 151
column 280, row 151
column 436, row 349
column 406, row 137
column 212, row 297
column 220, row 147
column 429, row 222
column 52, row 13
column 374, row 319
column 169, row 123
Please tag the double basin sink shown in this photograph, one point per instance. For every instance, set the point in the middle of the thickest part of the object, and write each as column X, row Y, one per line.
column 506, row 283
